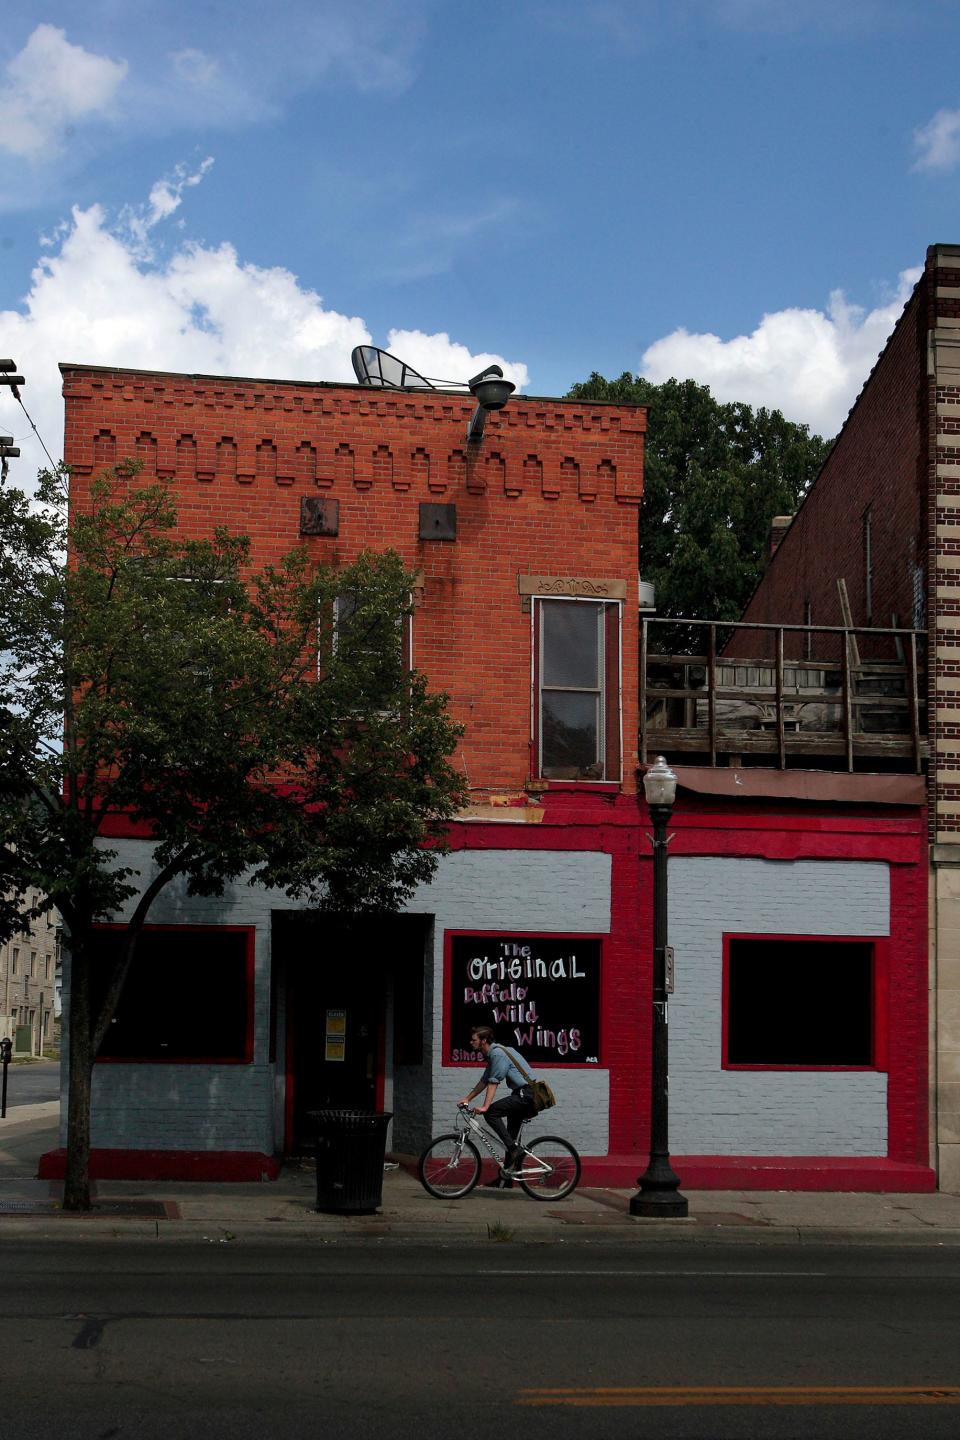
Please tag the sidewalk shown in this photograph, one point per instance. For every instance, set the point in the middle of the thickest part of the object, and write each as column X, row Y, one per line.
column 282, row 1210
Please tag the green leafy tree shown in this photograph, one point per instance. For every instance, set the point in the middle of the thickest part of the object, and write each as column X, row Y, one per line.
column 156, row 676
column 715, row 475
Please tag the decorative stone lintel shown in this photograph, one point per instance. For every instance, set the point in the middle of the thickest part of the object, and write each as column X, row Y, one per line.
column 575, row 585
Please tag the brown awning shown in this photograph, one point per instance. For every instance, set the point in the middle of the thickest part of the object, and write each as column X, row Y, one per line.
column 819, row 785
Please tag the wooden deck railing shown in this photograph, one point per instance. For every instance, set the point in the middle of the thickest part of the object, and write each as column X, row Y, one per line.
column 861, row 699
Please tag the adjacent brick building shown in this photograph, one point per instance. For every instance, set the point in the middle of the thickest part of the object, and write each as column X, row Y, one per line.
column 884, row 517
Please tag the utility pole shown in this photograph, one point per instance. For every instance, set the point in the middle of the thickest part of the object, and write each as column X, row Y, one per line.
column 9, row 451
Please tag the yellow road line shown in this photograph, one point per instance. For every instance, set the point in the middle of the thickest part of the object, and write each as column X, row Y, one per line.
column 710, row 1395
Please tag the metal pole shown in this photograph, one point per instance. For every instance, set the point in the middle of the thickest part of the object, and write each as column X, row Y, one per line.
column 659, row 1192
column 6, row 1047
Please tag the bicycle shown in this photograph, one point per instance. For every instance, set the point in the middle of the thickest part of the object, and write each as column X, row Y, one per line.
column 450, row 1166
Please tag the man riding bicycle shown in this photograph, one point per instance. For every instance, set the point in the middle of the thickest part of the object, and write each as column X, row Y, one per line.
column 504, row 1116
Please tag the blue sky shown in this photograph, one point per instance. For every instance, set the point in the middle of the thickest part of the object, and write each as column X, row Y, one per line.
column 736, row 190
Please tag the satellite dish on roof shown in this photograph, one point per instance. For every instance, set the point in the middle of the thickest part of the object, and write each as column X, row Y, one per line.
column 385, row 371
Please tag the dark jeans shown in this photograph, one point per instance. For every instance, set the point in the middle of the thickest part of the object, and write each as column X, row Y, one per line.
column 506, row 1116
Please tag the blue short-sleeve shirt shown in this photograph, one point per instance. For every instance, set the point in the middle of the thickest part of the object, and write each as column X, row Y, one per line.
column 500, row 1066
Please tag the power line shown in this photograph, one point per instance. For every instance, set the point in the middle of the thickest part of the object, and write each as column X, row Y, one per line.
column 35, row 431
column 13, row 382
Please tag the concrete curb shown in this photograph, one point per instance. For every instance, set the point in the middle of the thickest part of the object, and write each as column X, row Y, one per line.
column 369, row 1231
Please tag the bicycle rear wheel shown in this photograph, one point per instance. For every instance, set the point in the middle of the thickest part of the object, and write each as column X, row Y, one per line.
column 449, row 1167
column 560, row 1177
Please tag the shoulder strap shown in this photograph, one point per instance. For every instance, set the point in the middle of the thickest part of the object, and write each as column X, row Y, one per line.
column 519, row 1064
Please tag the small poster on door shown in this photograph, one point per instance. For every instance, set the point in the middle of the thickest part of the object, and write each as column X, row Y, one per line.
column 335, row 1047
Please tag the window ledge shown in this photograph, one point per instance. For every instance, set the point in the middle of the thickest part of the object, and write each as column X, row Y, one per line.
column 612, row 786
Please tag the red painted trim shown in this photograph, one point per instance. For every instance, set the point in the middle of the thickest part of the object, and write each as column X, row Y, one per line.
column 878, row 997
column 769, row 1172
column 908, row 1115
column 209, row 1166
column 247, row 1057
column 601, row 787
column 756, row 826
column 380, row 1078
column 881, row 1003
column 290, row 1047
column 448, row 937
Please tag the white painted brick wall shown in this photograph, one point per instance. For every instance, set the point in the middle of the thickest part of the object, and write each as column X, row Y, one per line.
column 523, row 892
column 195, row 1107
column 238, row 1107
column 729, row 1112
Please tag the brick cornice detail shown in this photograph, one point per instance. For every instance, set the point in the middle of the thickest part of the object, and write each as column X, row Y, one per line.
column 290, row 396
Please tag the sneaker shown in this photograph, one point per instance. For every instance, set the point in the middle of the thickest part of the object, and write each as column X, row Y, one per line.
column 514, row 1161
column 499, row 1182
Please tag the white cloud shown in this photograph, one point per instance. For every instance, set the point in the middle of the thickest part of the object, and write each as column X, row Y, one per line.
column 50, row 85
column 437, row 357
column 938, row 142
column 195, row 68
column 165, row 197
column 97, row 297
column 810, row 364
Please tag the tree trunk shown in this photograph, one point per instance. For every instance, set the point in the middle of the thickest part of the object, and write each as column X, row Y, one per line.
column 76, row 1190
column 88, row 1029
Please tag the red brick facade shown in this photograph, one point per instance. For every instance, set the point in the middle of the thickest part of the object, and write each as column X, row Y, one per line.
column 552, row 490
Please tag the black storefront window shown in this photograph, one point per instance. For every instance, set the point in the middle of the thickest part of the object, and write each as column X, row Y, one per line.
column 800, row 1002
column 188, row 996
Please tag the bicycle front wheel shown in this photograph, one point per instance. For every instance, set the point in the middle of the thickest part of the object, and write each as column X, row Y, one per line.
column 449, row 1167
column 553, row 1171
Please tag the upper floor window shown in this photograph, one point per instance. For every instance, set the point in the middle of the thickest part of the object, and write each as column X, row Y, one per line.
column 15, row 961
column 577, row 689
column 377, row 647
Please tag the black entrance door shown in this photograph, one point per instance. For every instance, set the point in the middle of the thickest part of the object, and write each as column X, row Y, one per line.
column 335, row 1029
column 333, row 976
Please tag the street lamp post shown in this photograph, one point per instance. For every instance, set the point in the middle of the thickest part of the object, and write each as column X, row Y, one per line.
column 659, row 1192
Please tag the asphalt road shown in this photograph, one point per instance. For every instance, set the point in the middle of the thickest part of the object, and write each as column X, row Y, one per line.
column 112, row 1339
column 30, row 1084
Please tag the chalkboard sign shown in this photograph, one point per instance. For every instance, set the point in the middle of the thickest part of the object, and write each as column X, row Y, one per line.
column 540, row 996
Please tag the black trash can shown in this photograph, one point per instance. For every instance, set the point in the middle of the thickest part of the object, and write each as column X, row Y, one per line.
column 350, row 1148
